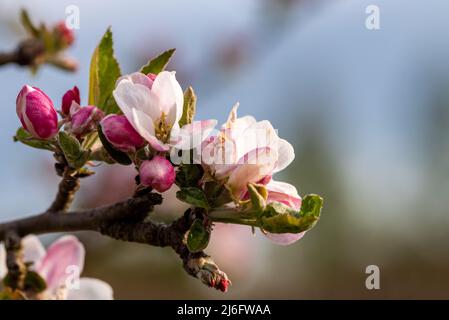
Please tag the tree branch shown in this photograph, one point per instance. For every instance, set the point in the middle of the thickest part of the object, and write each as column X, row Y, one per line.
column 10, row 57
column 126, row 221
column 26, row 54
column 67, row 188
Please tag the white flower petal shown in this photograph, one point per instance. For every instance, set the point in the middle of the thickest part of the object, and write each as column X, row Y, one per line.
column 191, row 135
column 91, row 289
column 170, row 95
column 284, row 193
column 33, row 250
column 259, row 164
column 282, row 187
column 256, row 136
column 284, row 239
column 130, row 96
column 286, row 155
column 137, row 77
column 232, row 115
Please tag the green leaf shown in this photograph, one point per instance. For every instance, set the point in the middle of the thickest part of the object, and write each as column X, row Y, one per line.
column 81, row 160
column 279, row 218
column 34, row 282
column 26, row 138
column 193, row 196
column 198, row 236
column 75, row 155
column 159, row 63
column 69, row 145
column 189, row 175
column 189, row 108
column 115, row 154
column 104, row 71
column 27, row 24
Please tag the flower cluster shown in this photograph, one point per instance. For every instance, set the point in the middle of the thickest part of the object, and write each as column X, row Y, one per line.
column 145, row 119
column 243, row 152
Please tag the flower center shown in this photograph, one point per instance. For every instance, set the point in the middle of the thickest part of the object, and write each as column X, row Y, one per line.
column 162, row 128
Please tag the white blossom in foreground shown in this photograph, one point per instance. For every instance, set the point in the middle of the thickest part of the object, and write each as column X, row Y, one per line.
column 60, row 266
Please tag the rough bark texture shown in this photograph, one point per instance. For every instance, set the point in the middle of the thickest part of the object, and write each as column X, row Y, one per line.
column 68, row 186
column 126, row 221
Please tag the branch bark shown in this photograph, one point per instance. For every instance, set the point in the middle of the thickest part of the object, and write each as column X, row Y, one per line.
column 26, row 53
column 67, row 188
column 127, row 221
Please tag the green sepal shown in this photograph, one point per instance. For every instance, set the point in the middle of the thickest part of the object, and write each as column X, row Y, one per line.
column 189, row 175
column 198, row 236
column 194, row 196
column 75, row 155
column 258, row 195
column 189, row 108
column 280, row 218
column 26, row 138
column 34, row 282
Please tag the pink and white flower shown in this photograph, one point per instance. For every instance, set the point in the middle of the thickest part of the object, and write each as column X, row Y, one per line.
column 37, row 113
column 153, row 104
column 245, row 151
column 56, row 264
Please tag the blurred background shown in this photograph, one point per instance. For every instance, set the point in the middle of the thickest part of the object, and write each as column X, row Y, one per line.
column 367, row 112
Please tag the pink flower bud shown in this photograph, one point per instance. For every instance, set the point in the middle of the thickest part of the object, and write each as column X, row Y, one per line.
column 68, row 98
column 121, row 134
column 65, row 34
column 37, row 113
column 84, row 119
column 157, row 173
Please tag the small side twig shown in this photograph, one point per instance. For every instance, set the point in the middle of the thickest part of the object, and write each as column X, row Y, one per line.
column 26, row 54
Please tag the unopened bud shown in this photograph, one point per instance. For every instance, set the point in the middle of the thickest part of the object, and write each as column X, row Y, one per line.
column 70, row 96
column 157, row 173
column 84, row 119
column 121, row 134
column 65, row 34
column 37, row 113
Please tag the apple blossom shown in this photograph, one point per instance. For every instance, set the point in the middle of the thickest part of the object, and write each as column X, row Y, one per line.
column 231, row 183
column 36, row 112
column 83, row 119
column 70, row 96
column 154, row 105
column 157, row 173
column 245, row 151
column 54, row 264
column 121, row 134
